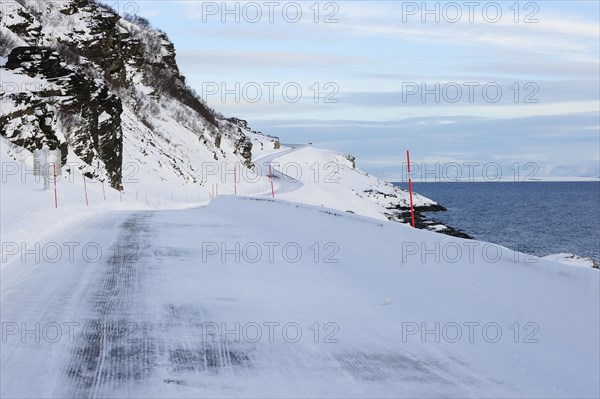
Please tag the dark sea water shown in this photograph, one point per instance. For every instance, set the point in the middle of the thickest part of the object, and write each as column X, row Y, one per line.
column 538, row 218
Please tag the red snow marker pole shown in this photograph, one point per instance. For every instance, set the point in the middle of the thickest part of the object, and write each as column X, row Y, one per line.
column 412, row 208
column 271, row 178
column 103, row 192
column 55, row 194
column 85, row 190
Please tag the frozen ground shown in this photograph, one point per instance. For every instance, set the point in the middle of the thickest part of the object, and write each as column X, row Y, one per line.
column 250, row 297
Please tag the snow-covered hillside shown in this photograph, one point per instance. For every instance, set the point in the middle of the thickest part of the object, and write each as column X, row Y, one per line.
column 327, row 175
column 104, row 87
column 107, row 92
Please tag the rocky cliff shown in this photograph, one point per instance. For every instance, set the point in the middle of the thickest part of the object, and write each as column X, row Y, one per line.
column 88, row 67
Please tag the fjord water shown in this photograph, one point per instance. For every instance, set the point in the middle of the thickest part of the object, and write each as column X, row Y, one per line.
column 539, row 218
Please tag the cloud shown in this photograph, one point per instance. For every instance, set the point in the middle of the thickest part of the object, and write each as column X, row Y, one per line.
column 379, row 146
column 264, row 59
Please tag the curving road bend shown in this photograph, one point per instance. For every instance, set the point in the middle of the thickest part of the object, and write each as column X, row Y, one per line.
column 283, row 183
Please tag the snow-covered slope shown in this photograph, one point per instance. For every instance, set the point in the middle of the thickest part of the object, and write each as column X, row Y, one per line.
column 107, row 92
column 332, row 180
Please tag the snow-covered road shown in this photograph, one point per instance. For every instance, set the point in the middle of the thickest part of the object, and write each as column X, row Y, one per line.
column 282, row 183
column 135, row 320
column 201, row 302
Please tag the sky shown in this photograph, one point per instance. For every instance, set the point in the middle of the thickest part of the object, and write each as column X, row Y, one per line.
column 510, row 84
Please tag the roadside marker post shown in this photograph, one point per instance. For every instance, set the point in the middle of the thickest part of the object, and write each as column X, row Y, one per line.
column 234, row 179
column 271, row 178
column 103, row 191
column 412, row 208
column 85, row 190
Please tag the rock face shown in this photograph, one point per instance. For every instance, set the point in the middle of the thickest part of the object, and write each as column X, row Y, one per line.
column 88, row 67
column 399, row 211
column 244, row 145
column 352, row 160
column 21, row 22
column 89, row 113
column 29, row 124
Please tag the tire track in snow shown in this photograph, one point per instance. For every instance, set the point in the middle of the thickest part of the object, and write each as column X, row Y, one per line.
column 106, row 355
column 124, row 345
column 196, row 352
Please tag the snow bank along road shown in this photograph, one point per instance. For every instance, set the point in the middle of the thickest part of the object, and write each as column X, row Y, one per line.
column 252, row 297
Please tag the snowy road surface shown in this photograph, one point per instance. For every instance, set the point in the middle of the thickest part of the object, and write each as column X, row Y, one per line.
column 282, row 183
column 201, row 302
